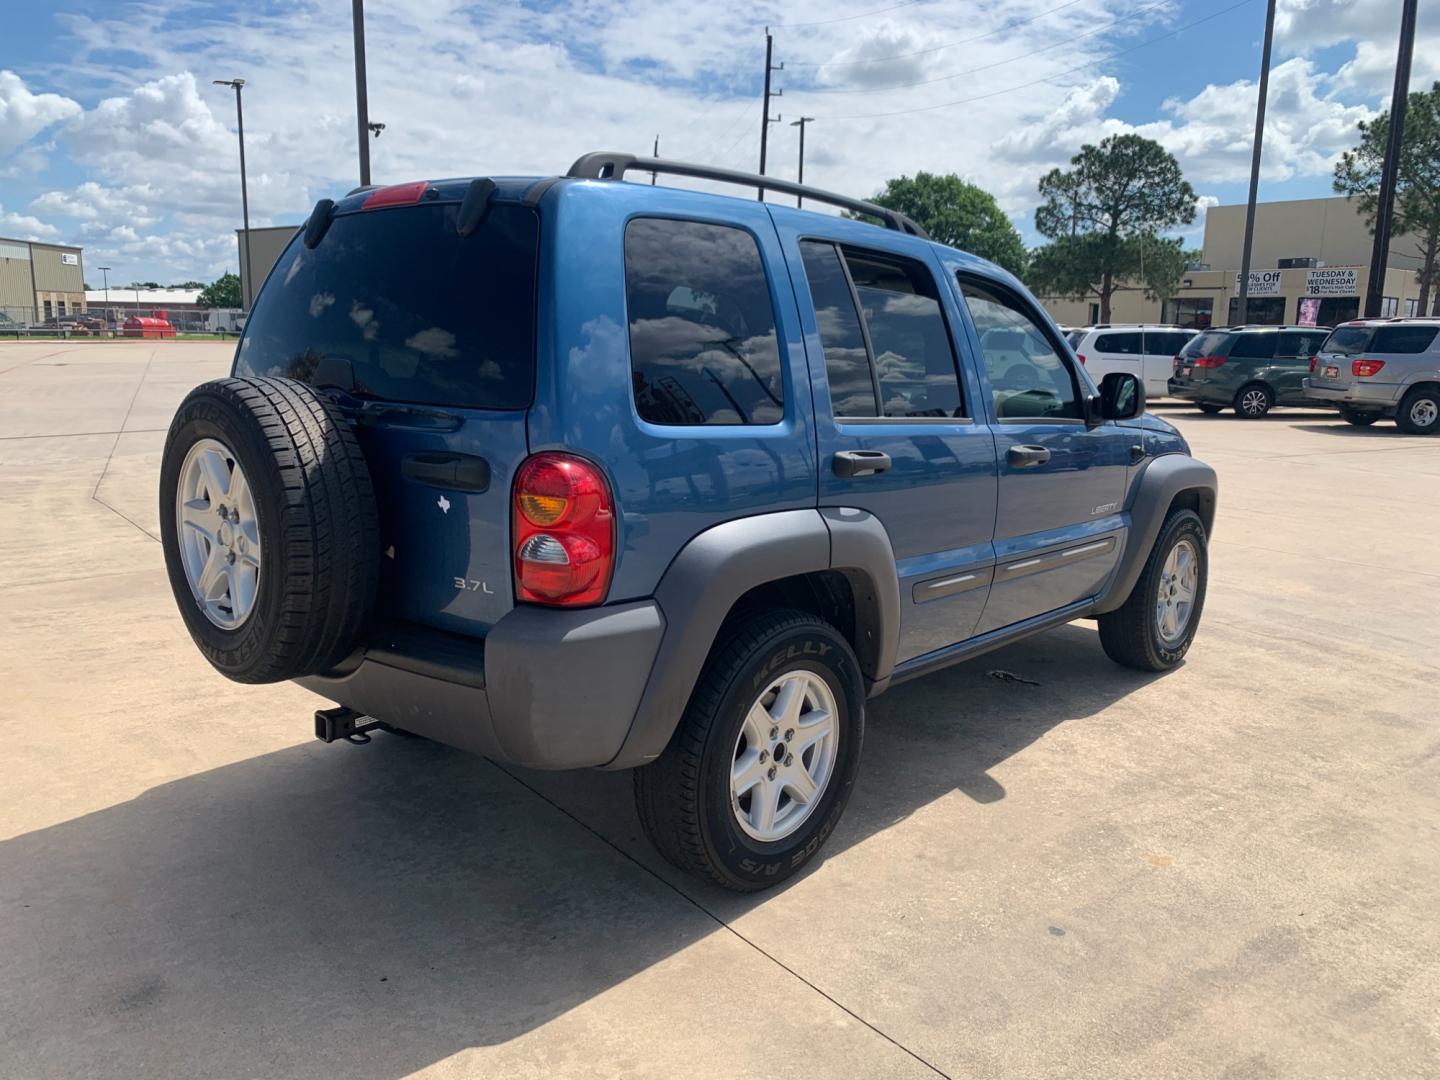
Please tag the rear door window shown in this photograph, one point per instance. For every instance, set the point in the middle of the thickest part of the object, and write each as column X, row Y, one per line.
column 394, row 305
column 842, row 338
column 1299, row 344
column 1127, row 344
column 1253, row 347
column 703, row 347
column 1404, row 339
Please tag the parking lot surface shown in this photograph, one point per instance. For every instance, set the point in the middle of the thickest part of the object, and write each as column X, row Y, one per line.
column 1230, row 870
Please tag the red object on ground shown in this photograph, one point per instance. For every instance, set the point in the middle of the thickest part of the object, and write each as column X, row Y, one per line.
column 148, row 326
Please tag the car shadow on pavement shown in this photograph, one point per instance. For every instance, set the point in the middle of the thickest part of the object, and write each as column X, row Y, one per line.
column 363, row 912
column 1381, row 429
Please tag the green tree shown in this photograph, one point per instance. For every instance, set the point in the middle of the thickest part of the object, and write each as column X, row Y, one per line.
column 1417, row 187
column 957, row 213
column 1103, row 218
column 223, row 292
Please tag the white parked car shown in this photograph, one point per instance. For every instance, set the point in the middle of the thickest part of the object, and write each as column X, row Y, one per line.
column 1147, row 352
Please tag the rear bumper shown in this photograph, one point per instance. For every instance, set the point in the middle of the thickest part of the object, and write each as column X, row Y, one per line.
column 1365, row 395
column 1189, row 390
column 546, row 689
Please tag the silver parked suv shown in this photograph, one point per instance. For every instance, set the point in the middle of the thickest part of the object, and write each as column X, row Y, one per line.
column 1373, row 368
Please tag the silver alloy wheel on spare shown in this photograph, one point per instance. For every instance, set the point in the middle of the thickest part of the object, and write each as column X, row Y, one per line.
column 219, row 533
column 1175, row 602
column 1424, row 412
column 1252, row 402
column 784, row 756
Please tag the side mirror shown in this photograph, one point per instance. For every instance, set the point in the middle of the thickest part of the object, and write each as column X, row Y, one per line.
column 1122, row 396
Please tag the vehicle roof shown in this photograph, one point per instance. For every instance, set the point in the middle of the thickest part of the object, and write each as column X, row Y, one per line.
column 1259, row 328
column 1136, row 326
column 1403, row 320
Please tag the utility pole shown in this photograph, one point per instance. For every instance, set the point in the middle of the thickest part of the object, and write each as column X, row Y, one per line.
column 246, row 284
column 1242, row 308
column 765, row 119
column 800, row 172
column 655, row 153
column 362, row 103
column 1389, row 172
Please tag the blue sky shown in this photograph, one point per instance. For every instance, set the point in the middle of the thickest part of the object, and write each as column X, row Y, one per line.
column 112, row 136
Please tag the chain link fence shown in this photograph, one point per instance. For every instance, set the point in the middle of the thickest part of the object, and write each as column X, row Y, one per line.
column 98, row 320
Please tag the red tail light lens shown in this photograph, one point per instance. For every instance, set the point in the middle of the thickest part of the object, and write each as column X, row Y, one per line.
column 1363, row 369
column 1209, row 361
column 395, row 195
column 1313, row 361
column 563, row 526
column 1080, row 357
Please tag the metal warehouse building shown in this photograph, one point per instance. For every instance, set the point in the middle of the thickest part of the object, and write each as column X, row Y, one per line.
column 39, row 281
column 1310, row 264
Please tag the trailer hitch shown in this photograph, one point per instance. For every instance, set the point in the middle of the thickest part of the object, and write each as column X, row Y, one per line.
column 342, row 722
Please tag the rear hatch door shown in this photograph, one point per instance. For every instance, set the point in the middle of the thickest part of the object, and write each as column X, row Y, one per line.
column 426, row 339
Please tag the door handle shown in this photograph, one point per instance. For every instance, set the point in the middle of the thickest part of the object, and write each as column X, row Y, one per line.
column 860, row 462
column 1023, row 457
column 458, row 472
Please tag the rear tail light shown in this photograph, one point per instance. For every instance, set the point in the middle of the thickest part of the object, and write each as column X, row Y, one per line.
column 1363, row 369
column 1209, row 361
column 1080, row 357
column 395, row 195
column 563, row 525
column 1313, row 361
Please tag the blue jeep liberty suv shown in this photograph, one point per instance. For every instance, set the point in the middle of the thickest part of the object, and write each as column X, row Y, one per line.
column 573, row 472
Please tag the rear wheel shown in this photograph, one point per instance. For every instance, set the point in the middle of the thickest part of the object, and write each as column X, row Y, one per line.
column 1154, row 628
column 1419, row 412
column 1358, row 417
column 1209, row 409
column 763, row 761
column 1254, row 401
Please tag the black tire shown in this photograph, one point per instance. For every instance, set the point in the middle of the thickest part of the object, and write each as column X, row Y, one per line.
column 1209, row 409
column 318, row 529
column 1131, row 635
column 1253, row 401
column 683, row 798
column 1423, row 401
column 1357, row 417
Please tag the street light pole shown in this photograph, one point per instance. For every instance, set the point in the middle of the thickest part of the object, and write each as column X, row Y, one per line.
column 362, row 102
column 247, row 284
column 1243, row 306
column 106, row 271
column 800, row 172
column 1390, row 171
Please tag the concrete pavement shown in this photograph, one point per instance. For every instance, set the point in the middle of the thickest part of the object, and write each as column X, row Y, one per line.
column 1232, row 870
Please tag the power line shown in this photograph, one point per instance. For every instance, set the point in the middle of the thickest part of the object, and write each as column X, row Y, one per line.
column 940, row 48
column 847, row 18
column 1089, row 64
column 998, row 63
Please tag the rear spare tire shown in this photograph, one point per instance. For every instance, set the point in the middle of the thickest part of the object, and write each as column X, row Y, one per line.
column 269, row 527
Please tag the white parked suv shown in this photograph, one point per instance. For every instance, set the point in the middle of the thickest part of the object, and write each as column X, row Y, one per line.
column 1147, row 352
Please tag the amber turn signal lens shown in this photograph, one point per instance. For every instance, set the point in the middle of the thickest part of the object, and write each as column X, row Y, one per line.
column 542, row 509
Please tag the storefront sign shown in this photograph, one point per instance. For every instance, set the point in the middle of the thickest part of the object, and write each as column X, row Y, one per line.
column 69, row 258
column 1333, row 281
column 1262, row 283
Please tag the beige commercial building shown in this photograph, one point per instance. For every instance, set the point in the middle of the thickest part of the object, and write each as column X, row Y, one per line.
column 1310, row 264
column 39, row 281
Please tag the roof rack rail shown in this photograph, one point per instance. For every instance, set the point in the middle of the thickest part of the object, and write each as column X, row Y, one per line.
column 608, row 165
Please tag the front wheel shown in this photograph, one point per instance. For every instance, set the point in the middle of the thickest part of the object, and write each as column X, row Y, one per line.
column 763, row 761
column 1254, row 401
column 1154, row 628
column 1419, row 412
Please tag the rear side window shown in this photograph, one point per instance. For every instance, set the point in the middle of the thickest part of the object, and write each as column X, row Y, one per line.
column 1299, row 344
column 1073, row 338
column 1404, row 339
column 702, row 328
column 1127, row 344
column 896, row 350
column 394, row 305
column 1253, row 347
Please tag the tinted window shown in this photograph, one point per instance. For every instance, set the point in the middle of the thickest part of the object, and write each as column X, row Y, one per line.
column 847, row 364
column 1299, row 345
column 1253, row 346
column 1215, row 343
column 1348, row 340
column 1400, row 339
column 397, row 305
column 1073, row 338
column 1165, row 342
column 914, row 363
column 1128, row 344
column 1027, row 376
column 702, row 328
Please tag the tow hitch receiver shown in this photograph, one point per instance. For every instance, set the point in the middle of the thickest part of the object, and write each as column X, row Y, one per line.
column 342, row 722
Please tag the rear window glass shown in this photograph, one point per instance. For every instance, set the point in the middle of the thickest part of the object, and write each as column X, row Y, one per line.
column 702, row 328
column 1210, row 344
column 396, row 304
column 1403, row 339
column 1348, row 340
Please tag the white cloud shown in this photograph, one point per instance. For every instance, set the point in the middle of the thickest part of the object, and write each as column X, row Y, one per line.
column 23, row 114
column 25, row 227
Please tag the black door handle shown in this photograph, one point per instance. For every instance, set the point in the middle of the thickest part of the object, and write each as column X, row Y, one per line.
column 860, row 462
column 458, row 472
column 1022, row 457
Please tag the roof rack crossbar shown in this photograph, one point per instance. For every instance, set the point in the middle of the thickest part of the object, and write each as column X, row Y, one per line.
column 607, row 165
